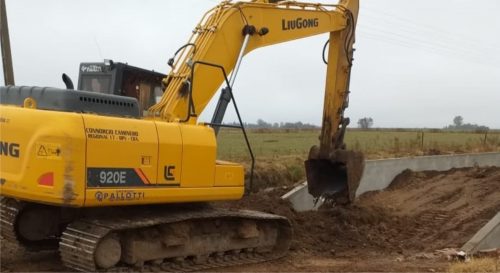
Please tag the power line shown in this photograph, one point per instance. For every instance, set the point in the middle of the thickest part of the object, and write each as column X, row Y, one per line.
column 406, row 24
column 429, row 42
column 429, row 48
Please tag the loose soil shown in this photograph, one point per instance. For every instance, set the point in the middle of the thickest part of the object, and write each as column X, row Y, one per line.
column 399, row 229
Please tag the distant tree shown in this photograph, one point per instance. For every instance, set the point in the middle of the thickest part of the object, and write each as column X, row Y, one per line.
column 262, row 124
column 365, row 123
column 458, row 121
column 458, row 124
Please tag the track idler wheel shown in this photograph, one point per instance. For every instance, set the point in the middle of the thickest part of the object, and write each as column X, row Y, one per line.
column 335, row 178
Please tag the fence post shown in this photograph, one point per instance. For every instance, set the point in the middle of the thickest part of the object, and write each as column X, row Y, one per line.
column 422, row 141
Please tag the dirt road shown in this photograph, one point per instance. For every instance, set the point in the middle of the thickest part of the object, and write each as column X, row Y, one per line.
column 394, row 230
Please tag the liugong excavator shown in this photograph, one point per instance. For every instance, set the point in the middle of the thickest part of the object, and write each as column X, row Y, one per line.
column 85, row 172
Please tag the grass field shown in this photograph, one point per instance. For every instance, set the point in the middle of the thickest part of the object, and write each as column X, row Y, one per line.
column 280, row 154
column 272, row 144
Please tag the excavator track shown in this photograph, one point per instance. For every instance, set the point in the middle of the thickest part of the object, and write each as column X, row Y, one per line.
column 12, row 211
column 9, row 210
column 255, row 237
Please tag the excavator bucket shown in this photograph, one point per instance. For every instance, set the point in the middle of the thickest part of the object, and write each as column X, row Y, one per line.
column 336, row 178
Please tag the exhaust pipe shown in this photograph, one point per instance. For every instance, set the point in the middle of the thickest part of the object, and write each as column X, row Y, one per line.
column 68, row 82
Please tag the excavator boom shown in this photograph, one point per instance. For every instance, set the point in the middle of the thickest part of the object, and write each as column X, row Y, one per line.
column 249, row 25
column 220, row 37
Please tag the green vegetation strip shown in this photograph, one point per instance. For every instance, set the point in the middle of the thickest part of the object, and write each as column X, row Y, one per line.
column 272, row 144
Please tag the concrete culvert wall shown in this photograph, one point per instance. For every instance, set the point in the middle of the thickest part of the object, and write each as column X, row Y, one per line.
column 379, row 174
column 449, row 197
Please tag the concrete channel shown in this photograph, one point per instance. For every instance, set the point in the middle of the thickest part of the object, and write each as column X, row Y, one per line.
column 379, row 174
column 488, row 237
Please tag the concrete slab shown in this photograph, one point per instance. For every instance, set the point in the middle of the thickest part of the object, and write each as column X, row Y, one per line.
column 488, row 237
column 301, row 201
column 378, row 174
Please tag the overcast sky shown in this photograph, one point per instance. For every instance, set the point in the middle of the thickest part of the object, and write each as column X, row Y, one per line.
column 417, row 63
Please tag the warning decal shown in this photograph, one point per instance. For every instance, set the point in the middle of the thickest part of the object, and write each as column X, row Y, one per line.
column 48, row 150
column 42, row 151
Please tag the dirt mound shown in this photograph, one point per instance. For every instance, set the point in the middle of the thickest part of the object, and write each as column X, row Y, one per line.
column 446, row 208
column 422, row 211
column 332, row 230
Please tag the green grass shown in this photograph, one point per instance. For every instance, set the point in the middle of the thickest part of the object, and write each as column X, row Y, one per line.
column 231, row 143
column 280, row 154
column 277, row 144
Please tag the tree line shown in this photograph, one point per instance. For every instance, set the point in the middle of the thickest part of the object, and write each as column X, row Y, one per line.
column 363, row 123
column 262, row 124
column 459, row 125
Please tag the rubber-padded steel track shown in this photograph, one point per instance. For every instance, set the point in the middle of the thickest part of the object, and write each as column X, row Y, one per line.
column 81, row 238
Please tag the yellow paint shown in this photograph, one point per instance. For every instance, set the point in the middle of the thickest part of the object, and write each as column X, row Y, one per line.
column 198, row 156
column 31, row 128
column 160, row 195
column 170, row 152
column 228, row 174
column 121, row 143
column 29, row 103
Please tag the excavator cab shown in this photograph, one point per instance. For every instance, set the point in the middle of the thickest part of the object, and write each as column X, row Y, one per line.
column 121, row 79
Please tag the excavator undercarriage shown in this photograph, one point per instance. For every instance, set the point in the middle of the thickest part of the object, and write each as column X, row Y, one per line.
column 151, row 238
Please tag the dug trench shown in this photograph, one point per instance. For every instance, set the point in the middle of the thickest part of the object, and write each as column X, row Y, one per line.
column 399, row 229
column 403, row 228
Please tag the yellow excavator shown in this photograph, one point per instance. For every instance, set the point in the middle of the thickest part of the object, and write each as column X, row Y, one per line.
column 115, row 189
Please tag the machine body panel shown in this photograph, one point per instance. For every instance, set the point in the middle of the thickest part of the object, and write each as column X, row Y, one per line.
column 49, row 163
column 81, row 160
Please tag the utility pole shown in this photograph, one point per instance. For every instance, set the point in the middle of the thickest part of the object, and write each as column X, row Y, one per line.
column 8, row 70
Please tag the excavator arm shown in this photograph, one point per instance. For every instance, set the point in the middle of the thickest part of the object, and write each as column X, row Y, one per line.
column 228, row 32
